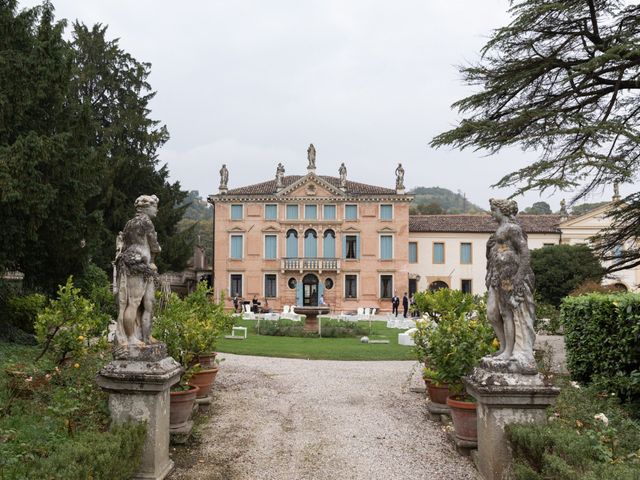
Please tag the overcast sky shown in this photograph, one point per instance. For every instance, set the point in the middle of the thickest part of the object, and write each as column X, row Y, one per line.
column 251, row 83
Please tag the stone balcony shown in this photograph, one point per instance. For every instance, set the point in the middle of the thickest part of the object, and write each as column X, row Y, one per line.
column 310, row 265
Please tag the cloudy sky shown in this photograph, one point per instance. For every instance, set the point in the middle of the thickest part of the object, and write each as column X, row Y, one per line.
column 251, row 83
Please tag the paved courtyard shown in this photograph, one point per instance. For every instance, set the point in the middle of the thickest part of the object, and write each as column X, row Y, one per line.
column 289, row 419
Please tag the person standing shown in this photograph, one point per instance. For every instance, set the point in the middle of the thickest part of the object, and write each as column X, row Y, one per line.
column 395, row 303
column 405, row 304
column 235, row 302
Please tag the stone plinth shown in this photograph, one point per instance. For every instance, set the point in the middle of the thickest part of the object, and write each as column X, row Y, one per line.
column 138, row 384
column 504, row 399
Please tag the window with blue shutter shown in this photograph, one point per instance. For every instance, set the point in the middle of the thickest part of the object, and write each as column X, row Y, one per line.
column 465, row 253
column 236, row 285
column 329, row 244
column 438, row 252
column 350, row 212
column 351, row 286
column 292, row 244
column 236, row 212
column 386, row 247
column 310, row 244
column 270, row 247
column 299, row 293
column 351, row 247
column 386, row 212
column 310, row 212
column 270, row 285
column 271, row 212
column 236, row 247
column 292, row 212
column 413, row 252
column 329, row 212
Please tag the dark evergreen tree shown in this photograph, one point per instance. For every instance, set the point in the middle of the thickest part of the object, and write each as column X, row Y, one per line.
column 563, row 79
column 538, row 208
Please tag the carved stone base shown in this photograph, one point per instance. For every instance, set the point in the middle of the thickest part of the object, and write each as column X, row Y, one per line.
column 504, row 399
column 139, row 391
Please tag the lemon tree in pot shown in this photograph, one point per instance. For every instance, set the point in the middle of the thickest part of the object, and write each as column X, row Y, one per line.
column 455, row 347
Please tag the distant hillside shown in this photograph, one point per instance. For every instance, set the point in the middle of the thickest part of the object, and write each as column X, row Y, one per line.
column 428, row 199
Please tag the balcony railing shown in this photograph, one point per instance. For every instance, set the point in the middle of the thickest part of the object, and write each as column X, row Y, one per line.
column 313, row 264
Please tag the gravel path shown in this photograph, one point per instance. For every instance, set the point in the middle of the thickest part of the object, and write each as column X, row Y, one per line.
column 287, row 419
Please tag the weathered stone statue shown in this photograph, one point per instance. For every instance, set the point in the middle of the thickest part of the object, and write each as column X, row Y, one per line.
column 224, row 177
column 279, row 175
column 510, row 280
column 343, row 175
column 311, row 156
column 136, row 273
column 399, row 177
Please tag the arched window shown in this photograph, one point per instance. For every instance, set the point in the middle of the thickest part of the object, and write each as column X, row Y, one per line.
column 437, row 285
column 310, row 244
column 292, row 244
column 329, row 244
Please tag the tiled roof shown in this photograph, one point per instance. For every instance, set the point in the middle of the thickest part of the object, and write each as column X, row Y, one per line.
column 269, row 188
column 480, row 223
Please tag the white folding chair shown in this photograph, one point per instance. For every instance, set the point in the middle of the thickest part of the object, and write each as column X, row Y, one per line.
column 248, row 314
column 367, row 313
column 373, row 312
column 360, row 313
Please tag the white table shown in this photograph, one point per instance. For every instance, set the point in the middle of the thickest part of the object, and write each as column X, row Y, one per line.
column 243, row 330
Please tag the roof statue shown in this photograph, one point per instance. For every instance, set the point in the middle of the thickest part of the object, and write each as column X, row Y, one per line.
column 399, row 177
column 311, row 156
column 279, row 175
column 616, row 192
column 224, row 177
column 342, row 171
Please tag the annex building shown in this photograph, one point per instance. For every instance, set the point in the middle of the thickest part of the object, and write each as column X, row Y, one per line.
column 304, row 239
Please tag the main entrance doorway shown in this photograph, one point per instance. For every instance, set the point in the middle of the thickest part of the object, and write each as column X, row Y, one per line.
column 310, row 290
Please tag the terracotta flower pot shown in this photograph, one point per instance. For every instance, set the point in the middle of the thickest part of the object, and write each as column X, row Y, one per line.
column 438, row 393
column 207, row 360
column 181, row 405
column 465, row 418
column 427, row 382
column 204, row 379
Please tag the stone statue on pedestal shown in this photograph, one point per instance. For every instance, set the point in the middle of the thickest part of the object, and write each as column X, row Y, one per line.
column 279, row 175
column 311, row 156
column 137, row 247
column 399, row 177
column 342, row 171
column 510, row 280
column 224, row 177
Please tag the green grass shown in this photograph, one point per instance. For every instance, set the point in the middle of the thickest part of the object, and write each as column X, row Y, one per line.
column 319, row 348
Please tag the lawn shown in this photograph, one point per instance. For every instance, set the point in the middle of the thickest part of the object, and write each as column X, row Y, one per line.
column 319, row 348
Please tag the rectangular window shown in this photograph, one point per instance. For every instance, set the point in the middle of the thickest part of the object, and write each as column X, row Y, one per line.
column 271, row 212
column 413, row 252
column 350, row 212
column 351, row 286
column 351, row 245
column 438, row 252
column 465, row 253
column 236, row 285
column 466, row 286
column 329, row 212
column 386, row 286
column 310, row 212
column 548, row 244
column 270, row 285
column 292, row 212
column 270, row 247
column 236, row 247
column 386, row 212
column 236, row 212
column 386, row 247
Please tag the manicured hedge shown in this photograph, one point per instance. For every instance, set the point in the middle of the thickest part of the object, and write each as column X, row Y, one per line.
column 602, row 338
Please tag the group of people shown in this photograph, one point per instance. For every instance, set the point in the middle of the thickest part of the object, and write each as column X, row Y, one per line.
column 395, row 304
column 256, row 306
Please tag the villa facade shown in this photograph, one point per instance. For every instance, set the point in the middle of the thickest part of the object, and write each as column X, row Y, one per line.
column 301, row 240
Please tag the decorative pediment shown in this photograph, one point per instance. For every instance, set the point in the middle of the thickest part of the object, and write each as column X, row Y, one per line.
column 596, row 218
column 351, row 229
column 310, row 186
column 237, row 229
column 387, row 229
column 270, row 228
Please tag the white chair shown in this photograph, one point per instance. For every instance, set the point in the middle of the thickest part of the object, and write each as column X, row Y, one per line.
column 285, row 310
column 373, row 312
column 247, row 314
column 360, row 313
column 367, row 313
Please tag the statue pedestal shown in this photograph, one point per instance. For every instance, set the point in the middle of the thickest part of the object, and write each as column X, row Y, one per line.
column 504, row 399
column 138, row 384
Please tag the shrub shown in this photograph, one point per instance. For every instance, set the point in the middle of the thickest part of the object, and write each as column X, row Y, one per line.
column 588, row 437
column 342, row 328
column 94, row 285
column 445, row 302
column 68, row 323
column 602, row 334
column 561, row 268
column 547, row 318
column 281, row 328
column 23, row 310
